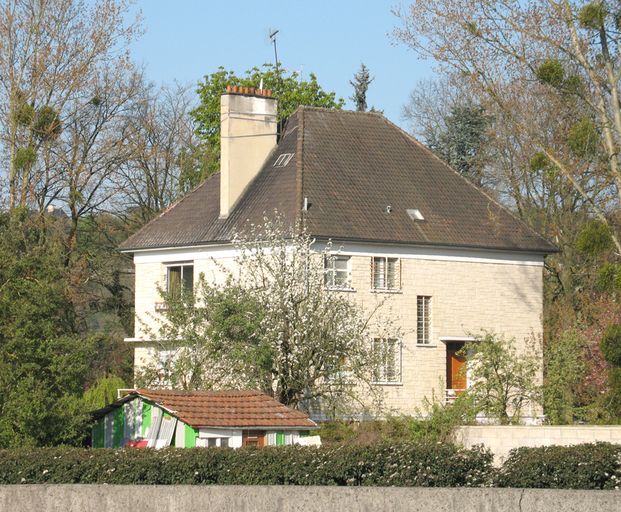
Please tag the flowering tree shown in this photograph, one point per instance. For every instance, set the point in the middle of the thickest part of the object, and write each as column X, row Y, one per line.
column 504, row 381
column 275, row 325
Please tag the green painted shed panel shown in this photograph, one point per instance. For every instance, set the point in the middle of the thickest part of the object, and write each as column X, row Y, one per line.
column 99, row 430
column 146, row 417
column 190, row 435
column 280, row 438
column 118, row 427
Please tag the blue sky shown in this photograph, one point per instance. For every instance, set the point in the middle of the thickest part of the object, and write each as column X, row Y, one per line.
column 186, row 39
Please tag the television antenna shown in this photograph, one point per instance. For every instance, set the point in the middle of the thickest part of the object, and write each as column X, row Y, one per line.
column 273, row 40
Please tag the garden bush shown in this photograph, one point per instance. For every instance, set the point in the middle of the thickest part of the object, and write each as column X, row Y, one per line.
column 585, row 466
column 431, row 465
column 589, row 466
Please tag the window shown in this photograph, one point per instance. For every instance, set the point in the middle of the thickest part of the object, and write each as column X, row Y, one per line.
column 283, row 160
column 212, row 442
column 385, row 273
column 388, row 368
column 423, row 320
column 179, row 277
column 224, row 442
column 337, row 272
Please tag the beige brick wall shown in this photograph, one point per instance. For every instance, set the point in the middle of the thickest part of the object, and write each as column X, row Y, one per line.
column 468, row 294
column 501, row 439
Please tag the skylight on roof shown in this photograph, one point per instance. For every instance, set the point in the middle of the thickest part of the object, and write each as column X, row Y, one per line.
column 283, row 159
column 415, row 214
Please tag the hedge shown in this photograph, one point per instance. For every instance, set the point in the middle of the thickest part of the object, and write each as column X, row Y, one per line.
column 584, row 466
column 589, row 466
column 381, row 465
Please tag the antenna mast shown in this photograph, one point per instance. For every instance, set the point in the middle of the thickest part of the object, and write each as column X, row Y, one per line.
column 273, row 40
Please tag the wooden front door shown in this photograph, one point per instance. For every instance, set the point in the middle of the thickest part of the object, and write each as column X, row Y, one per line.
column 253, row 438
column 455, row 367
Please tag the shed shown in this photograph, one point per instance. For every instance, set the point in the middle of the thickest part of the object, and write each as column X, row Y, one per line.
column 188, row 419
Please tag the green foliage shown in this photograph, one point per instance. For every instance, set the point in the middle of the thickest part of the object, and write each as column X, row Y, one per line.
column 564, row 371
column 428, row 465
column 539, row 161
column 594, row 238
column 333, row 432
column 361, row 82
column 587, row 466
column 441, row 419
column 47, row 123
column 593, row 15
column 609, row 277
column 551, row 72
column 610, row 345
column 25, row 158
column 462, row 142
column 612, row 400
column 103, row 392
column 289, row 89
column 503, row 380
column 583, row 138
column 24, row 114
column 45, row 360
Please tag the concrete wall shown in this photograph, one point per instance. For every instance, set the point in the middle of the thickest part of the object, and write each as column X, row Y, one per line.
column 104, row 498
column 470, row 290
column 501, row 439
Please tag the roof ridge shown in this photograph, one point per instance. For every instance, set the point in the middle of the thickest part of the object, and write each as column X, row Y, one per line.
column 338, row 110
column 418, row 143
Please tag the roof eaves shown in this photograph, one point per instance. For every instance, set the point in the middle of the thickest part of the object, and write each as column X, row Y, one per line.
column 447, row 245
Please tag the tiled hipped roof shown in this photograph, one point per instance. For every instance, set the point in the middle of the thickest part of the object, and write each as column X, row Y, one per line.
column 350, row 166
column 242, row 409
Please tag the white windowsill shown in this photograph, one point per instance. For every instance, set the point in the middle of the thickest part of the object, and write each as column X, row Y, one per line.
column 426, row 345
column 339, row 289
column 386, row 290
column 387, row 383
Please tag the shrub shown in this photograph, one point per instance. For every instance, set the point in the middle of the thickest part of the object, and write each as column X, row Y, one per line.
column 586, row 466
column 403, row 464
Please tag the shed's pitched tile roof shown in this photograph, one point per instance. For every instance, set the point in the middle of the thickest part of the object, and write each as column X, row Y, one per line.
column 350, row 166
column 241, row 409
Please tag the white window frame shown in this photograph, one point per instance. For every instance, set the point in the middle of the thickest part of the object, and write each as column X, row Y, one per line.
column 423, row 332
column 381, row 265
column 330, row 272
column 382, row 377
column 183, row 265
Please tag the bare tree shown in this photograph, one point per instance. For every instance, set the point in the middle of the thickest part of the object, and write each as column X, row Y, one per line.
column 565, row 52
column 55, row 57
column 166, row 158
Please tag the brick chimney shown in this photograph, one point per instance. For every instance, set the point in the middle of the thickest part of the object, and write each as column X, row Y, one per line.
column 248, row 127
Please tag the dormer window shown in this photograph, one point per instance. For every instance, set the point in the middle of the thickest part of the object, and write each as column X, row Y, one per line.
column 414, row 214
column 283, row 159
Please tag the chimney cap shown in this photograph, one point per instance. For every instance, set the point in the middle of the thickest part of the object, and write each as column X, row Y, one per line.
column 248, row 91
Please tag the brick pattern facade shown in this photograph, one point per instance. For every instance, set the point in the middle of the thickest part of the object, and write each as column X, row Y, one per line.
column 467, row 295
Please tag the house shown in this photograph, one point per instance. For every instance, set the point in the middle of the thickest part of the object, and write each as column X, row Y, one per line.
column 188, row 419
column 405, row 227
